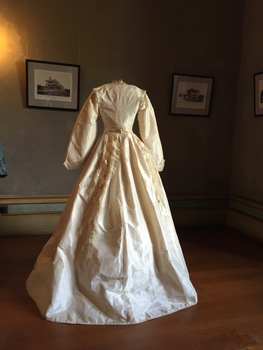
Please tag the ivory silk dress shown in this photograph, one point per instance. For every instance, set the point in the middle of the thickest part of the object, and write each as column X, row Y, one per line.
column 114, row 257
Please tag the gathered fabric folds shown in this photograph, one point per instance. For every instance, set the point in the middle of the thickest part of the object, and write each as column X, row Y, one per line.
column 114, row 257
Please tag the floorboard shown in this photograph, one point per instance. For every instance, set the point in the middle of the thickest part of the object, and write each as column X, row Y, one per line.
column 226, row 268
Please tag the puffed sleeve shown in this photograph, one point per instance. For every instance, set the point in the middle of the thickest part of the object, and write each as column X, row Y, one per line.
column 149, row 131
column 83, row 135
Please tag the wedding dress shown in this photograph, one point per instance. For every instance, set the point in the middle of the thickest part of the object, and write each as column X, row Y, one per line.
column 114, row 257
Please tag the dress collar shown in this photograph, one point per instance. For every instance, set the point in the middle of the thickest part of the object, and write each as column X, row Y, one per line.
column 118, row 81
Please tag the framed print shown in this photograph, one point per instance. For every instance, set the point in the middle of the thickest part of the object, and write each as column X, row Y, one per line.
column 191, row 95
column 52, row 85
column 258, row 94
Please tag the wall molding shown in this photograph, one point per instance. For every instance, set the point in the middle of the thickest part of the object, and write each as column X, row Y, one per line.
column 22, row 215
column 246, row 206
column 43, row 199
column 40, row 214
column 33, row 204
column 30, row 215
column 246, row 215
column 28, row 224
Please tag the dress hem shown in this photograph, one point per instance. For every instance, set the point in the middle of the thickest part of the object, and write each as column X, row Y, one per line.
column 123, row 323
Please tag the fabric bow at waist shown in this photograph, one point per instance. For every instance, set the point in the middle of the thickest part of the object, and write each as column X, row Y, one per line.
column 118, row 130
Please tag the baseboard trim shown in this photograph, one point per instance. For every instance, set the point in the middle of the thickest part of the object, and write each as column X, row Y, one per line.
column 245, row 223
column 246, row 215
column 26, row 215
column 34, row 199
column 246, row 206
column 28, row 224
column 49, row 203
column 199, row 216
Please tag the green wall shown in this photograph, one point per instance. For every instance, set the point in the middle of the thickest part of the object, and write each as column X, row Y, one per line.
column 248, row 150
column 143, row 42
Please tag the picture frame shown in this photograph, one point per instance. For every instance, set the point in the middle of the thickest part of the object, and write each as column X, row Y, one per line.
column 52, row 85
column 258, row 94
column 191, row 95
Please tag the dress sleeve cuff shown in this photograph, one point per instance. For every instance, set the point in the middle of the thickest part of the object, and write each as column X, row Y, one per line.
column 160, row 166
column 70, row 166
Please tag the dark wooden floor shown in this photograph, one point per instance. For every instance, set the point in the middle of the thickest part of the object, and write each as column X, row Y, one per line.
column 226, row 268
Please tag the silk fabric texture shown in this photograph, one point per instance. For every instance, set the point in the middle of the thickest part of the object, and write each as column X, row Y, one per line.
column 114, row 257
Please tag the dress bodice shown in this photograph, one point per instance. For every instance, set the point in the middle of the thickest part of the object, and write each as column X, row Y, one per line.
column 118, row 104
